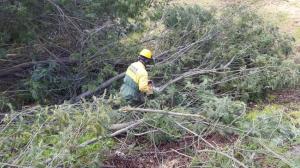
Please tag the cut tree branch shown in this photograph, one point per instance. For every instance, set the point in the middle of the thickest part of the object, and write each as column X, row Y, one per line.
column 185, row 75
column 216, row 150
column 99, row 88
column 193, row 72
column 127, row 109
column 122, row 125
column 190, row 73
column 94, row 140
column 22, row 66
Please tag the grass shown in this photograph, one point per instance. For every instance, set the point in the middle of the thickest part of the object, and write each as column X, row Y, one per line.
column 291, row 110
column 279, row 13
column 279, row 18
column 254, row 114
column 203, row 3
column 296, row 34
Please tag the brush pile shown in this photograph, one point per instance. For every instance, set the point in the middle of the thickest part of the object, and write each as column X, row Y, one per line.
column 209, row 66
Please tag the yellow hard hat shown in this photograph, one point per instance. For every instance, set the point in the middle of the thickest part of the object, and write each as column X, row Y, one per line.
column 146, row 53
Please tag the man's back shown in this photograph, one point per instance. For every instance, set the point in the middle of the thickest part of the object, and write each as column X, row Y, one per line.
column 135, row 82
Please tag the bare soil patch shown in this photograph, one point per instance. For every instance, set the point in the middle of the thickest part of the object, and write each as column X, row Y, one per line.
column 287, row 96
column 165, row 155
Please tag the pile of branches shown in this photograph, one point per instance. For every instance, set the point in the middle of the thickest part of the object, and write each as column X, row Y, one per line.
column 236, row 54
column 72, row 51
column 83, row 134
column 51, row 50
column 208, row 67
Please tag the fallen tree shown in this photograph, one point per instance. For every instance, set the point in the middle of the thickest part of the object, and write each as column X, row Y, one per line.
column 99, row 88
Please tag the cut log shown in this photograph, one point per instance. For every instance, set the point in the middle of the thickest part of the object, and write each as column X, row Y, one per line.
column 98, row 89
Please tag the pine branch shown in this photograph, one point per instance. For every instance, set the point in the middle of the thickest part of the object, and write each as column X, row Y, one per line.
column 194, row 72
column 127, row 109
column 99, row 88
column 185, row 75
column 94, row 140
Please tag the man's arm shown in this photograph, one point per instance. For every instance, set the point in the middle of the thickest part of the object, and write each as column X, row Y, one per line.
column 143, row 83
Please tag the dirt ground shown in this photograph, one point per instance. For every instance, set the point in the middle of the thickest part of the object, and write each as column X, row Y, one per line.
column 286, row 96
column 165, row 155
column 140, row 152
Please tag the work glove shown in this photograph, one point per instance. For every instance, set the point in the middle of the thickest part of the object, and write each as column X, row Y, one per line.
column 150, row 91
column 152, row 88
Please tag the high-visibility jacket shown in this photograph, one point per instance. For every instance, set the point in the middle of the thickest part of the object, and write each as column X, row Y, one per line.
column 135, row 81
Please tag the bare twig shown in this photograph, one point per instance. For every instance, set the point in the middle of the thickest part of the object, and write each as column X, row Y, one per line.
column 194, row 133
column 121, row 125
column 20, row 67
column 12, row 165
column 63, row 15
column 207, row 36
column 144, row 133
column 224, row 154
column 282, row 158
column 94, row 140
column 182, row 154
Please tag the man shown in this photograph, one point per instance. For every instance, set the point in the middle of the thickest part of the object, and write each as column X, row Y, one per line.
column 136, row 82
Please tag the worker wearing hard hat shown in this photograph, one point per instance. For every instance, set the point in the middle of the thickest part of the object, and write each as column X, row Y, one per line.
column 136, row 82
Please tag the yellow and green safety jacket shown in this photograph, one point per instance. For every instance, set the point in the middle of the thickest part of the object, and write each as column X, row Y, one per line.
column 135, row 82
